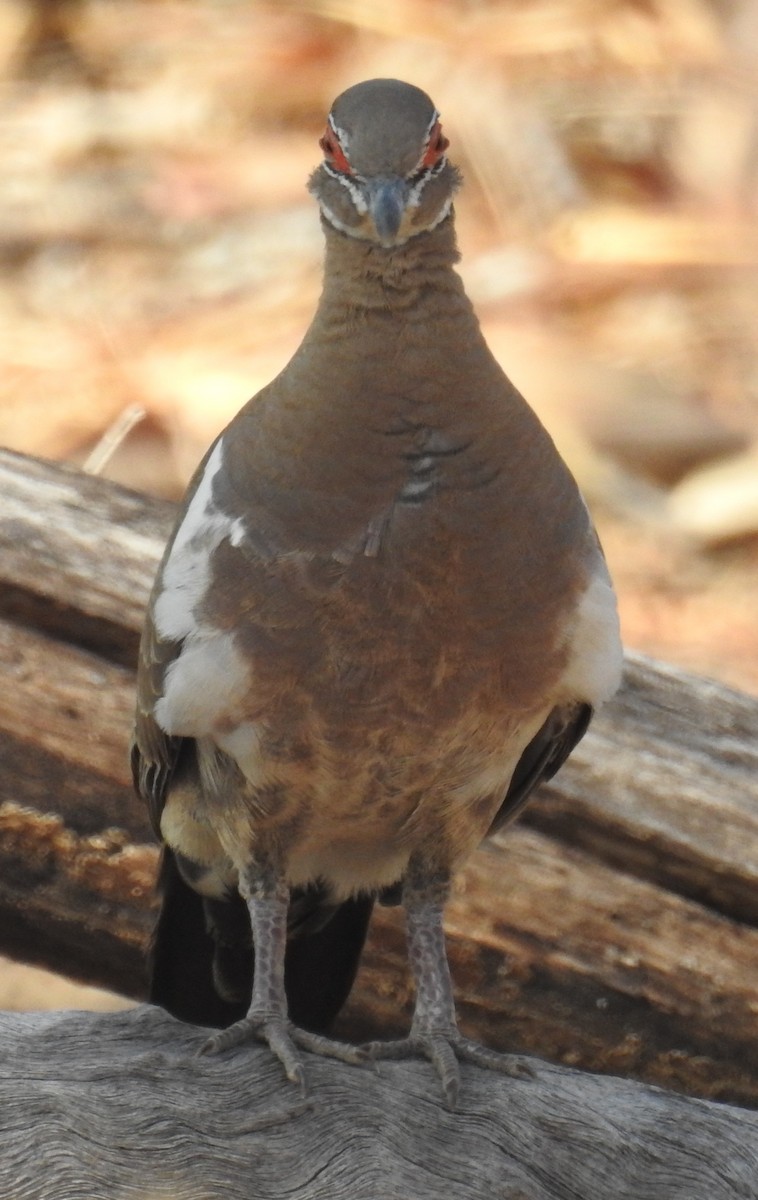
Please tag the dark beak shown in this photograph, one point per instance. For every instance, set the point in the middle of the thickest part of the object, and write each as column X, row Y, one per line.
column 387, row 200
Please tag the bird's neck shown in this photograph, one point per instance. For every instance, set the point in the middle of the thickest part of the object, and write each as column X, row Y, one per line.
column 361, row 275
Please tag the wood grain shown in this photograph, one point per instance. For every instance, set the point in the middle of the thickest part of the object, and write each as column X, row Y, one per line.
column 119, row 1105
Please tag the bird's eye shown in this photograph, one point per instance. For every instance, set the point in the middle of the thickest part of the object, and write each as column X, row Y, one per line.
column 333, row 152
column 436, row 147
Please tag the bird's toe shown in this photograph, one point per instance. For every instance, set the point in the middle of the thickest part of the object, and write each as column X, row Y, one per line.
column 246, row 1030
column 316, row 1043
column 283, row 1039
column 445, row 1049
column 275, row 1032
column 467, row 1050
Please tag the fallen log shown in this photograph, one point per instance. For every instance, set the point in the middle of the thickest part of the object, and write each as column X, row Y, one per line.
column 120, row 1105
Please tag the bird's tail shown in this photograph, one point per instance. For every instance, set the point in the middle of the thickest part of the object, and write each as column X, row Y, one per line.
column 201, row 959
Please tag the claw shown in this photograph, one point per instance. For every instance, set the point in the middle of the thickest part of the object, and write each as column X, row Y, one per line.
column 234, row 1035
column 443, row 1059
column 282, row 1038
column 444, row 1050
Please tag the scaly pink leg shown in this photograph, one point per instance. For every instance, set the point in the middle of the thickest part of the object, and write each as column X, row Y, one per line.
column 434, row 1031
column 267, row 1020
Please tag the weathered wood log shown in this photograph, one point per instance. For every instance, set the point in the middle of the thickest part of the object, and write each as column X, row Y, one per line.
column 616, row 932
column 77, row 555
column 119, row 1105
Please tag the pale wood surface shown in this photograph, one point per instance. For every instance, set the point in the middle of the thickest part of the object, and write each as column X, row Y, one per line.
column 117, row 1105
column 614, row 928
column 78, row 555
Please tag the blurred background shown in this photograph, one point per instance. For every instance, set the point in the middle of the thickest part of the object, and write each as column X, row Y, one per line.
column 161, row 257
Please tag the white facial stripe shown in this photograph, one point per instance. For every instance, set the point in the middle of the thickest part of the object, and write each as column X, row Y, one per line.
column 362, row 236
column 344, row 139
column 340, row 225
column 340, row 134
column 356, row 195
column 444, row 212
column 420, row 164
column 429, row 128
column 414, row 196
column 427, row 173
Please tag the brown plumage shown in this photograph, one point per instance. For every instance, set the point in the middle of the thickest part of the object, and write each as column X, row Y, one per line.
column 383, row 618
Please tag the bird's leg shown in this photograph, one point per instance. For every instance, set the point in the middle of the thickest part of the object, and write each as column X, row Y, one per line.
column 434, row 1031
column 267, row 898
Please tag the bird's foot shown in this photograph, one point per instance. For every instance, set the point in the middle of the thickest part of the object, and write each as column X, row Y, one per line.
column 283, row 1038
column 445, row 1048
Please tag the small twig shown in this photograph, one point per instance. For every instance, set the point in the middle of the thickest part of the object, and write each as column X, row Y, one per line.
column 115, row 434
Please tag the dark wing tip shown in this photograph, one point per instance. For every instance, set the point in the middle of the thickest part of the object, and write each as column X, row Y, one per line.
column 543, row 757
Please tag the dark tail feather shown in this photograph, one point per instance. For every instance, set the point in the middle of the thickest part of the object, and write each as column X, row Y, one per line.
column 201, row 960
column 183, row 953
column 320, row 967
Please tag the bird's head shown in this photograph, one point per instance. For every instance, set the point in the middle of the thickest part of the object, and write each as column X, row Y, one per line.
column 385, row 177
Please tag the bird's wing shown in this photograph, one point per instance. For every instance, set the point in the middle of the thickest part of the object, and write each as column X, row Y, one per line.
column 169, row 622
column 546, row 753
column 201, row 960
column 154, row 754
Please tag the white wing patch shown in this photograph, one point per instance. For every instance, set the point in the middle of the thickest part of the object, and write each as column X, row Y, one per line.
column 187, row 572
column 204, row 687
column 593, row 672
column 209, row 679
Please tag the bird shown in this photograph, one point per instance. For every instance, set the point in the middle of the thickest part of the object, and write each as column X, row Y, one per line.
column 383, row 618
